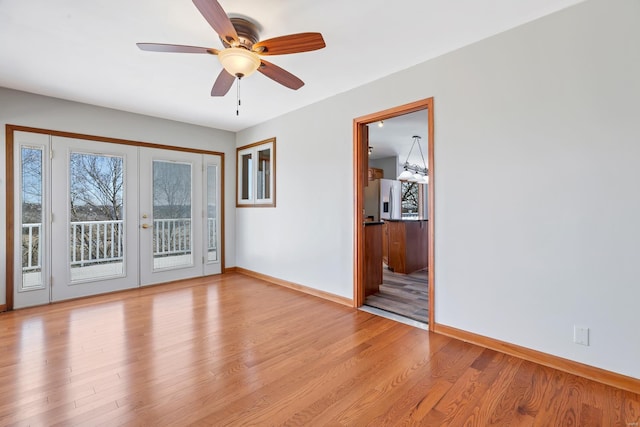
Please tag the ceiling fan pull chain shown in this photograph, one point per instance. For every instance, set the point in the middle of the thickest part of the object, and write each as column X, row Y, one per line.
column 238, row 96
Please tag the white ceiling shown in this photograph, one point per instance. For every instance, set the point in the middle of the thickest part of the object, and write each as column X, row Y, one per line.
column 85, row 50
column 395, row 138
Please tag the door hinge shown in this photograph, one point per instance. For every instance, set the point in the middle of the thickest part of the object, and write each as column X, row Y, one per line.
column 50, row 280
column 202, row 260
column 51, row 218
column 50, row 154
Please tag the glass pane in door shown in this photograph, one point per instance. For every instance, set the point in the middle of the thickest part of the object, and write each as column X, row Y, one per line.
column 32, row 225
column 172, row 227
column 212, row 226
column 96, row 229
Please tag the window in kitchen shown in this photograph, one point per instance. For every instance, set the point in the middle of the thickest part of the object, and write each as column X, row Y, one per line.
column 256, row 166
column 410, row 200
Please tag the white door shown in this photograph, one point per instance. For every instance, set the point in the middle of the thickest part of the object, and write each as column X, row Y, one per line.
column 95, row 217
column 94, row 213
column 212, row 214
column 178, row 215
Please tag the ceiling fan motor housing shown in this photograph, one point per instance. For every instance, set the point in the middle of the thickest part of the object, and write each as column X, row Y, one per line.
column 247, row 33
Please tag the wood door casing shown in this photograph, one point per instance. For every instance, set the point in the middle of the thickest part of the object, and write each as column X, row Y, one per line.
column 360, row 147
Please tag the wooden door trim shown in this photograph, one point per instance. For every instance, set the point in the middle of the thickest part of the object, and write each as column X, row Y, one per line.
column 10, row 229
column 360, row 169
column 10, row 190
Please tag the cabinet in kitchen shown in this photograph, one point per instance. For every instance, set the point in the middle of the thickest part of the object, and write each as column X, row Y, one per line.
column 407, row 245
column 375, row 173
column 372, row 257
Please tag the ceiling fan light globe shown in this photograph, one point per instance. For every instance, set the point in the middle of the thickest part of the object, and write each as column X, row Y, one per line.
column 238, row 61
column 405, row 176
column 423, row 179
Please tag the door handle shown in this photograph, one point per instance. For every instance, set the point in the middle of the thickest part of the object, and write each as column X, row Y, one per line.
column 147, row 226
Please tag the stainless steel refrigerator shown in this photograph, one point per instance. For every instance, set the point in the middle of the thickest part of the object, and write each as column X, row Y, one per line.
column 390, row 199
column 383, row 199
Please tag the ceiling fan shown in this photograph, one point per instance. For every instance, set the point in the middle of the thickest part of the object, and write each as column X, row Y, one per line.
column 242, row 48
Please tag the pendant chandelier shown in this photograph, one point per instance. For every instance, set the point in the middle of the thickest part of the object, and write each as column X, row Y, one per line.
column 412, row 172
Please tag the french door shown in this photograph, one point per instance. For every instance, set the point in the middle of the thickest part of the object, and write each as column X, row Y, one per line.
column 179, row 213
column 94, row 217
column 94, row 245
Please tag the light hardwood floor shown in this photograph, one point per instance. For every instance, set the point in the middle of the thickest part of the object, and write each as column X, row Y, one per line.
column 234, row 350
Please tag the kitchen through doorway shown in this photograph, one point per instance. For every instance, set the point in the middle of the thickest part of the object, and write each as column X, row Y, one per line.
column 394, row 206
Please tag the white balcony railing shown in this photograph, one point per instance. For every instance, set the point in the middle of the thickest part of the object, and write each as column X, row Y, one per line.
column 31, row 252
column 102, row 242
column 171, row 237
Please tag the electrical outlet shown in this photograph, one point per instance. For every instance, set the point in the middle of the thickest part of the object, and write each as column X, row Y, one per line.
column 580, row 335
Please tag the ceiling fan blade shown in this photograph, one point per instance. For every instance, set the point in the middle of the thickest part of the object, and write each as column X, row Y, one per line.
column 217, row 18
column 223, row 83
column 280, row 75
column 293, row 43
column 160, row 47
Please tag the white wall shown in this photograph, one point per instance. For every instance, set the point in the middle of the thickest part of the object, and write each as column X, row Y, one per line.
column 537, row 141
column 24, row 109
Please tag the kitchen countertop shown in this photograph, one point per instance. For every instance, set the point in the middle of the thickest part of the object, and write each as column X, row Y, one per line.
column 405, row 220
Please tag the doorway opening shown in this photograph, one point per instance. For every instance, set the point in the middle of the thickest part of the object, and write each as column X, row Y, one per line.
column 394, row 220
